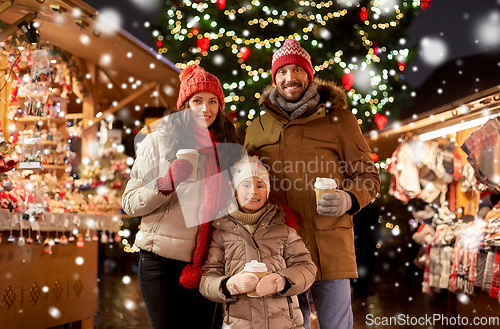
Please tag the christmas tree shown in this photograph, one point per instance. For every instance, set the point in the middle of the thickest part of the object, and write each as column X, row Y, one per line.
column 358, row 44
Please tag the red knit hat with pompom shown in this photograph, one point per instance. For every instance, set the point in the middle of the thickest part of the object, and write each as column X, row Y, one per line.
column 194, row 79
column 292, row 53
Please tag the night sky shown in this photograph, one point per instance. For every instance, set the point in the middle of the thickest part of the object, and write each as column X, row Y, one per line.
column 453, row 28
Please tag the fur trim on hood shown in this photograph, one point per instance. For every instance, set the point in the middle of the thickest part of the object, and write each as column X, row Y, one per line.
column 329, row 92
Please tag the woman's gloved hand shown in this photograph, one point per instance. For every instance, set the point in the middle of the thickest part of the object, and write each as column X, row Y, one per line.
column 179, row 171
column 270, row 284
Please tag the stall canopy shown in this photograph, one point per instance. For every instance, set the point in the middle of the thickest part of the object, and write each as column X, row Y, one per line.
column 465, row 113
column 123, row 75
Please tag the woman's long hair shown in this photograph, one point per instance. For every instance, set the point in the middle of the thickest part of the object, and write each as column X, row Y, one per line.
column 176, row 127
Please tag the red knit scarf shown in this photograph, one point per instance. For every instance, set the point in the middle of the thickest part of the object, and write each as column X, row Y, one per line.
column 215, row 192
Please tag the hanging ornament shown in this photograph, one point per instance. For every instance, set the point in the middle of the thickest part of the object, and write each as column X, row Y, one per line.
column 380, row 120
column 21, row 240
column 29, row 240
column 244, row 53
column 348, row 81
column 221, row 4
column 47, row 249
column 363, row 14
column 425, row 4
column 95, row 238
column 79, row 241
column 38, row 239
column 374, row 157
column 104, row 237
column 63, row 240
column 203, row 44
column 88, row 237
column 401, row 66
column 110, row 239
column 376, row 48
column 118, row 238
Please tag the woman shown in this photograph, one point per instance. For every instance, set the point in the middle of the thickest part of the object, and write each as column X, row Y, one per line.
column 172, row 250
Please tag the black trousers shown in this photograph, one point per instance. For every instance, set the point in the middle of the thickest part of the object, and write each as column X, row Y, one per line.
column 170, row 305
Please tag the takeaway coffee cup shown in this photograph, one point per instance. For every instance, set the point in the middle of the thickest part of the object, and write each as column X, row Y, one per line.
column 324, row 185
column 192, row 156
column 259, row 269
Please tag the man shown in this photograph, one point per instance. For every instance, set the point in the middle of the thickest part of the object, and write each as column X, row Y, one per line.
column 308, row 132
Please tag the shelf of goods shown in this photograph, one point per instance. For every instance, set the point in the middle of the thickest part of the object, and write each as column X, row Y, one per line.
column 51, row 132
column 41, row 289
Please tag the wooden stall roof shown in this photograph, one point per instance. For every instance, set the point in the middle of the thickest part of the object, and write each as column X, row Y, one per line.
column 105, row 50
column 484, row 103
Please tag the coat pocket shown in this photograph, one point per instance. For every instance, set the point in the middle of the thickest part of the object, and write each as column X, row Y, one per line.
column 325, row 223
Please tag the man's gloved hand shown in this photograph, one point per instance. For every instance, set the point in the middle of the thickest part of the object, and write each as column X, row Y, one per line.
column 179, row 171
column 334, row 204
column 242, row 283
column 270, row 284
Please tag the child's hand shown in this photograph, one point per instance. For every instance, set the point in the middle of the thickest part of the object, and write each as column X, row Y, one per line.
column 270, row 284
column 242, row 283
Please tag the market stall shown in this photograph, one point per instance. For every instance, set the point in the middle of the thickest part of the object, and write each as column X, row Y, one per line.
column 66, row 74
column 449, row 160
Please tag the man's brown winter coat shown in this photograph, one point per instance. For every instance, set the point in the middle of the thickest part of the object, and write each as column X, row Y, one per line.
column 325, row 142
column 273, row 243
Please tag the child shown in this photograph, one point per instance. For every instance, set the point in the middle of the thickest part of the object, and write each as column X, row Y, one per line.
column 256, row 230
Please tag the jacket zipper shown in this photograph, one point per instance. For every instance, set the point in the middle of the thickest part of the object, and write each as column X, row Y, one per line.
column 227, row 311
column 289, row 300
column 156, row 226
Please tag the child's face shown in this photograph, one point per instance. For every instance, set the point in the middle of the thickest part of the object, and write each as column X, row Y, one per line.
column 251, row 194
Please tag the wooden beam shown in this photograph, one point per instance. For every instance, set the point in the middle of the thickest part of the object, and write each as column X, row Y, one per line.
column 115, row 85
column 73, row 116
column 124, row 102
column 12, row 28
column 163, row 102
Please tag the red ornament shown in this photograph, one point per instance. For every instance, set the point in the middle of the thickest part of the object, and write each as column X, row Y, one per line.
column 245, row 52
column 425, row 4
column 203, row 44
column 401, row 66
column 221, row 4
column 363, row 14
column 348, row 81
column 380, row 120
column 374, row 157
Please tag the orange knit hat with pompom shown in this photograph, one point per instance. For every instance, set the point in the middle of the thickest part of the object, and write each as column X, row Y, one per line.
column 194, row 79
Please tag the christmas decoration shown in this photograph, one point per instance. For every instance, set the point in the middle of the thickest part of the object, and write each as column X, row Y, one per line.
column 363, row 14
column 203, row 44
column 348, row 80
column 381, row 120
column 425, row 4
column 244, row 52
column 221, row 4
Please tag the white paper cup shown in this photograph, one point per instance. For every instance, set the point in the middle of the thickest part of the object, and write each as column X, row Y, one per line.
column 324, row 185
column 192, row 156
column 257, row 268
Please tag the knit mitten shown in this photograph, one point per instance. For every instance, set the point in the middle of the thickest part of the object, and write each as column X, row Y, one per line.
column 242, row 283
column 179, row 171
column 270, row 284
column 334, row 204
